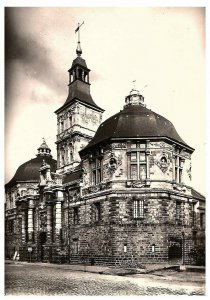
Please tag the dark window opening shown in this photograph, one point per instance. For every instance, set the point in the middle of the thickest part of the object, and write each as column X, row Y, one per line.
column 202, row 220
column 97, row 211
column 76, row 215
column 178, row 211
column 96, row 171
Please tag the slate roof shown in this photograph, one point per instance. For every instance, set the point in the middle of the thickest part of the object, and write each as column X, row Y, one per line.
column 79, row 61
column 79, row 90
column 29, row 171
column 135, row 121
column 197, row 195
column 72, row 176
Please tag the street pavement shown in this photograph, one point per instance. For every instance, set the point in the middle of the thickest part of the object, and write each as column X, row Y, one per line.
column 50, row 279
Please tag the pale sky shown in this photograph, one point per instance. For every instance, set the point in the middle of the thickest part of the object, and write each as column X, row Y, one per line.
column 163, row 49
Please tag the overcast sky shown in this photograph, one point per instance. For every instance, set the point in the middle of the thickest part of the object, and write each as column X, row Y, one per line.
column 163, row 49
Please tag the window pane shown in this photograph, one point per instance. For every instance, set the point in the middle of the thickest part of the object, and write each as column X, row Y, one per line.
column 142, row 146
column 135, row 211
column 202, row 220
column 134, row 156
column 97, row 210
column 94, row 164
column 142, row 170
column 76, row 219
column 141, row 208
column 142, row 156
column 178, row 210
column 138, row 209
column 133, row 145
column 94, row 177
column 134, row 172
column 176, row 174
column 98, row 162
column 99, row 175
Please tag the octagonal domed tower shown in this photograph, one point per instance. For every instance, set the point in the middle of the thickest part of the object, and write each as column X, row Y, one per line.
column 137, row 186
column 148, row 150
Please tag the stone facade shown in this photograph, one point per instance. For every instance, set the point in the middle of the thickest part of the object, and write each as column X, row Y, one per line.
column 76, row 126
column 118, row 197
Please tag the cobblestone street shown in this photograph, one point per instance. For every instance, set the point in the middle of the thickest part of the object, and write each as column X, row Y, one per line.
column 32, row 279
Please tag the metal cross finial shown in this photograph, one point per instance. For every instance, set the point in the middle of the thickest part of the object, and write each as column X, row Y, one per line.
column 79, row 50
column 134, row 84
column 78, row 29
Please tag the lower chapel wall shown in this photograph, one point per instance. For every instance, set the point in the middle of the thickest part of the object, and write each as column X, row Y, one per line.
column 115, row 239
column 116, row 244
column 131, row 245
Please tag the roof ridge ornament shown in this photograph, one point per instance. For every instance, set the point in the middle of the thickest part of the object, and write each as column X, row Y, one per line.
column 79, row 49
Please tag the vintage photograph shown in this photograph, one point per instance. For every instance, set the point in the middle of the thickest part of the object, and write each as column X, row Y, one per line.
column 105, row 138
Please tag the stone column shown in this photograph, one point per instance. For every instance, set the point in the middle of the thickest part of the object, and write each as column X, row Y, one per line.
column 49, row 223
column 58, row 216
column 173, row 167
column 23, row 229
column 58, row 213
column 147, row 163
column 30, row 220
column 177, row 172
column 148, row 166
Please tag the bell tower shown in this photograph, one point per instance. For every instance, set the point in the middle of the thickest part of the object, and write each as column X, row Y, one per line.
column 79, row 117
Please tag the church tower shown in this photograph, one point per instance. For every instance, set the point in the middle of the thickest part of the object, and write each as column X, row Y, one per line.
column 78, row 118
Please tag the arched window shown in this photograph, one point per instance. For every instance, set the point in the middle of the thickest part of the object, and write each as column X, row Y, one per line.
column 85, row 76
column 71, row 156
column 80, row 74
column 70, row 121
column 62, row 157
column 71, row 77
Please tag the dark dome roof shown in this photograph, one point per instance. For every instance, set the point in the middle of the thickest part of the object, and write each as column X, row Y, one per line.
column 29, row 171
column 135, row 121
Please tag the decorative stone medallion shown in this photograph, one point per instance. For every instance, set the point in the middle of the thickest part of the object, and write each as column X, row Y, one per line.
column 163, row 161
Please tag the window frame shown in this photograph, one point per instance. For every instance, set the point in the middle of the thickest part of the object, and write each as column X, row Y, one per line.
column 138, row 162
column 138, row 209
column 75, row 215
column 202, row 220
column 97, row 211
column 178, row 211
column 178, row 168
column 96, row 171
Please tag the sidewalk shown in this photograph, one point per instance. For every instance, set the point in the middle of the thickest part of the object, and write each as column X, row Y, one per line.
column 149, row 268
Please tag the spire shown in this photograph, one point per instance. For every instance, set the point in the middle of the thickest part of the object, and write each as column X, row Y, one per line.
column 135, row 98
column 79, row 49
column 44, row 149
column 79, row 80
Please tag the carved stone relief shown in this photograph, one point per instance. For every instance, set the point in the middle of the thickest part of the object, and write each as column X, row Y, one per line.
column 189, row 171
column 180, row 188
column 96, row 188
column 137, row 184
column 161, row 145
column 163, row 161
column 119, row 146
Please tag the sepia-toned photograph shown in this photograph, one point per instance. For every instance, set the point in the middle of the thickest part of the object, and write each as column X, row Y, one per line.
column 105, row 145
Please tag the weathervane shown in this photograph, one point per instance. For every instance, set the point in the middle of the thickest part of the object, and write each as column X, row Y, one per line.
column 79, row 49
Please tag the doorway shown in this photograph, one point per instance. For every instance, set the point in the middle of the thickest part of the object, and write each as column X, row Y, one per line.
column 175, row 250
column 42, row 241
